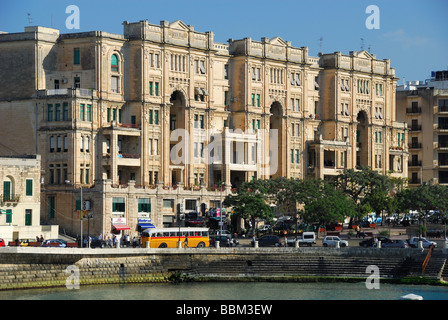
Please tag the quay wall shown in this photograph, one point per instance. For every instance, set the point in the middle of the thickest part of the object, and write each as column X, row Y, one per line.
column 54, row 267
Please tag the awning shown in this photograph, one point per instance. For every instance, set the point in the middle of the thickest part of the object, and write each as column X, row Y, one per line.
column 120, row 227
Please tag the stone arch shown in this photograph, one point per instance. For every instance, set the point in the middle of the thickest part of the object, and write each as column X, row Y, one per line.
column 277, row 138
column 362, row 139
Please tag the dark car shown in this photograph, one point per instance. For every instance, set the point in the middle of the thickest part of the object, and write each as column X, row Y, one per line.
column 268, row 240
column 97, row 243
column 394, row 244
column 54, row 243
column 224, row 241
column 370, row 242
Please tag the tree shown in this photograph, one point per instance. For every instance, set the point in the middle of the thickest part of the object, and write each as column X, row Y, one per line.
column 326, row 204
column 368, row 189
column 250, row 202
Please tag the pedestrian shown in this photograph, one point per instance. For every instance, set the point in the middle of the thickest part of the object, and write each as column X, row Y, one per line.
column 357, row 232
column 186, row 242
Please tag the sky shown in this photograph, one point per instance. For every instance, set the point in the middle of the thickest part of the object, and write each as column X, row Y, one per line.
column 413, row 34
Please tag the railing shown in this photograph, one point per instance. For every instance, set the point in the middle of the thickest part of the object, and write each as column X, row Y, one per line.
column 416, row 128
column 10, row 197
column 426, row 261
column 417, row 163
column 128, row 125
column 415, row 145
column 413, row 110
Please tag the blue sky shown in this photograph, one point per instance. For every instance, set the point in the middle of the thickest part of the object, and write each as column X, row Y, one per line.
column 413, row 34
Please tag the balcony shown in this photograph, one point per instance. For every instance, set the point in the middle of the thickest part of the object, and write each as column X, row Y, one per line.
column 442, row 109
column 67, row 92
column 10, row 198
column 415, row 145
column 414, row 110
column 415, row 128
column 415, row 163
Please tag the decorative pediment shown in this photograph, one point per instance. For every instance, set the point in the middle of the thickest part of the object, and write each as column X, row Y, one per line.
column 178, row 24
column 363, row 54
column 278, row 41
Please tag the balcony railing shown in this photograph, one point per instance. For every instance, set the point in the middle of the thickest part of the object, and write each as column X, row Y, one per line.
column 413, row 110
column 69, row 92
column 417, row 163
column 416, row 128
column 10, row 197
column 415, row 145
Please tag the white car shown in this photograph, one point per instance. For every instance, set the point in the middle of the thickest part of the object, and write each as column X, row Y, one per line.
column 413, row 242
column 330, row 241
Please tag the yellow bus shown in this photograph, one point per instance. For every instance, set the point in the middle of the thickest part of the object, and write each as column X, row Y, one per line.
column 169, row 237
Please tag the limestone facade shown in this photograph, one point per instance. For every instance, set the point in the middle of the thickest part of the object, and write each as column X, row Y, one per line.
column 163, row 115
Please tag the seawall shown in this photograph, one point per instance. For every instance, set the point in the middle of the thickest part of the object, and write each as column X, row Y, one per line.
column 52, row 267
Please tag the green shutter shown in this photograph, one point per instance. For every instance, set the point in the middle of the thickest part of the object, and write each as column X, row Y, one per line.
column 76, row 56
column 150, row 88
column 28, row 215
column 29, row 187
column 156, row 116
column 8, row 215
column 6, row 190
column 150, row 117
column 50, row 113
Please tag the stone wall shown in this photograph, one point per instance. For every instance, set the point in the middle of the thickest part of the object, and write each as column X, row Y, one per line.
column 47, row 267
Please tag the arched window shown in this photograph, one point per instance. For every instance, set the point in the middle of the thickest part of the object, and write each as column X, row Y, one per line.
column 114, row 63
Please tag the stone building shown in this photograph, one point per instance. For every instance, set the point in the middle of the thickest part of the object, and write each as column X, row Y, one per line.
column 20, row 199
column 163, row 116
column 423, row 105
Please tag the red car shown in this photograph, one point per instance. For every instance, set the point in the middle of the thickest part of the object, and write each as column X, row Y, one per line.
column 2, row 243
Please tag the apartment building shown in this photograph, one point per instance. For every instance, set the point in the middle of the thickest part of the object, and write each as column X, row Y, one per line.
column 423, row 105
column 162, row 118
column 20, row 199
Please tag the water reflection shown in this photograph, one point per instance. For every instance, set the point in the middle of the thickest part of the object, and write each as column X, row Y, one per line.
column 231, row 291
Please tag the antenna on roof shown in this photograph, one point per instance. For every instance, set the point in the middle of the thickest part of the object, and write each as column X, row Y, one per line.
column 320, row 43
column 362, row 44
column 29, row 19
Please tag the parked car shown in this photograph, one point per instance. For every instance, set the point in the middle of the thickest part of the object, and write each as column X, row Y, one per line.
column 371, row 241
column 264, row 228
column 97, row 243
column 224, row 241
column 2, row 243
column 268, row 240
column 54, row 243
column 413, row 242
column 394, row 244
column 306, row 239
column 224, row 233
column 330, row 241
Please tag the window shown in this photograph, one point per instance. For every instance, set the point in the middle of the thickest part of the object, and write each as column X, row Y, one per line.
column 50, row 112
column 151, row 119
column 81, row 112
column 226, row 71
column 118, row 205
column 76, row 56
column 151, row 86
column 89, row 112
column 114, row 63
column 77, row 82
column 168, row 203
column 144, row 205
column 58, row 112
column 51, row 207
column 28, row 216
column 7, row 192
column 114, row 84
column 8, row 216
column 258, row 100
column 297, row 156
column 156, row 88
column 65, row 111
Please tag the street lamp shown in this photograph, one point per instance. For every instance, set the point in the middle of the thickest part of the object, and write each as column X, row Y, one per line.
column 220, row 210
column 81, row 213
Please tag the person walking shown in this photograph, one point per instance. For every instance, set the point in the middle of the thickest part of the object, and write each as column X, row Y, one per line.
column 186, row 242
